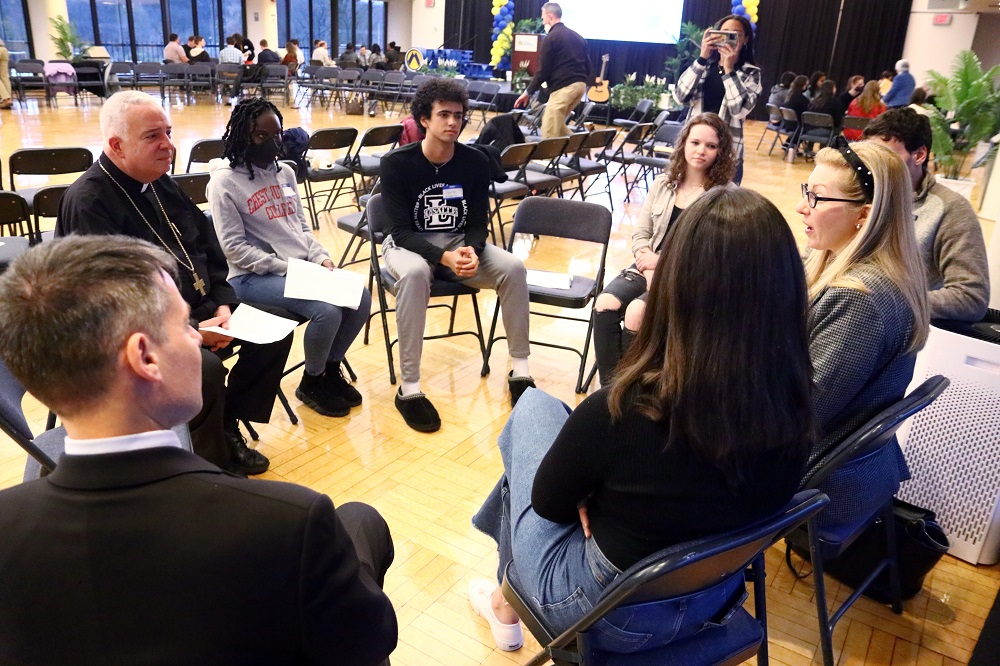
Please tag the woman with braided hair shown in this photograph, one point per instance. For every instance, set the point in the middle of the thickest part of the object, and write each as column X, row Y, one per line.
column 261, row 226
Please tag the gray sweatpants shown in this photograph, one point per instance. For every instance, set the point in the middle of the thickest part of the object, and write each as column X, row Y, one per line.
column 498, row 270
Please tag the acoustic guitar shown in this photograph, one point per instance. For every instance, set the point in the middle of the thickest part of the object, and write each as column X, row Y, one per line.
column 600, row 92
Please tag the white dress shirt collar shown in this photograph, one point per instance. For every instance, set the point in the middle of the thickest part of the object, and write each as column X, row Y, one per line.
column 137, row 442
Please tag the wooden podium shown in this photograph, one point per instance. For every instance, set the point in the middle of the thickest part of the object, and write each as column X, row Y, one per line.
column 527, row 47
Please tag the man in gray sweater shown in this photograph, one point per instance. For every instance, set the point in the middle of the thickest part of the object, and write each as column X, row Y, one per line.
column 948, row 230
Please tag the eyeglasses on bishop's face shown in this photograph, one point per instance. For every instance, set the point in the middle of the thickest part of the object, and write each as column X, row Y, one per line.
column 812, row 198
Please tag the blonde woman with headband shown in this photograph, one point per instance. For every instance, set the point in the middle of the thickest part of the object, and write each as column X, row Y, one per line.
column 868, row 311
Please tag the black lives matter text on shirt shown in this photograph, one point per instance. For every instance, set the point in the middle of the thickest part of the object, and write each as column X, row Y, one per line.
column 432, row 212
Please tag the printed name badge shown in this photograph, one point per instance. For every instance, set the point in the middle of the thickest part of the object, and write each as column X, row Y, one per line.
column 452, row 192
column 288, row 190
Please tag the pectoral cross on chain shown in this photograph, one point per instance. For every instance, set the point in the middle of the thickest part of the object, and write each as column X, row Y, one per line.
column 199, row 284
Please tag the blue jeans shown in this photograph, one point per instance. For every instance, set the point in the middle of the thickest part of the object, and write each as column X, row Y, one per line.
column 560, row 570
column 331, row 329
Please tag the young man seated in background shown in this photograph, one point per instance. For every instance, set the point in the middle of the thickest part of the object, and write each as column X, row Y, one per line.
column 437, row 217
column 948, row 230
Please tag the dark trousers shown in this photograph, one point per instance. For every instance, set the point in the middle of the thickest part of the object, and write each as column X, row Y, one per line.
column 372, row 541
column 249, row 396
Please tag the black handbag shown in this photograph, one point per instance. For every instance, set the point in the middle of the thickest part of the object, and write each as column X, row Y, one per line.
column 920, row 543
column 354, row 106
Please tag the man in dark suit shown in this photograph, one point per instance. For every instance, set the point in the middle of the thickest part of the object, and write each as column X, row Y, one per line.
column 134, row 550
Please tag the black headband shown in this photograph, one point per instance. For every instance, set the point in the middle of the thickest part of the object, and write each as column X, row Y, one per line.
column 858, row 168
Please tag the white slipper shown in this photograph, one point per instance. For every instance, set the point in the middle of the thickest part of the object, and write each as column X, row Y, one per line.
column 508, row 637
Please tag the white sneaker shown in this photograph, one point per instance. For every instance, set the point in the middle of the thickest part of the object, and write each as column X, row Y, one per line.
column 508, row 637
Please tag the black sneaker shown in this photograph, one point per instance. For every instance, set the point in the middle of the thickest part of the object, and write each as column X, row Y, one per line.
column 243, row 459
column 418, row 412
column 517, row 386
column 337, row 384
column 315, row 392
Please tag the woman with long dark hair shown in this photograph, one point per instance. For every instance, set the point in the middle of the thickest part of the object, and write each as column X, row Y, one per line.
column 261, row 226
column 724, row 80
column 815, row 81
column 703, row 159
column 698, row 434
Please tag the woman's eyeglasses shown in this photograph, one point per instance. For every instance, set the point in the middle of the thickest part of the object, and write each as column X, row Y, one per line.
column 812, row 198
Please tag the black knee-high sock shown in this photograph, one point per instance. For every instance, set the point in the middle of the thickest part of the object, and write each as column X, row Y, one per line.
column 607, row 342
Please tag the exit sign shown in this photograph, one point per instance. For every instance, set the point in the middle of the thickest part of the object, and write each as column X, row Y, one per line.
column 942, row 19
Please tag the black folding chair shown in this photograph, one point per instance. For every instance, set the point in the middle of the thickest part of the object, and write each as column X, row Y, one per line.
column 46, row 204
column 570, row 220
column 46, row 162
column 773, row 124
column 721, row 563
column 15, row 221
column 367, row 166
column 826, row 540
column 203, row 151
column 329, row 139
column 12, row 421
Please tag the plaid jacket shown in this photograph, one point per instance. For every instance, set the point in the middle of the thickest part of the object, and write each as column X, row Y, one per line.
column 742, row 90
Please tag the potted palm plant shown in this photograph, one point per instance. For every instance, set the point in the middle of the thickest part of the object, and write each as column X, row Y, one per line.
column 69, row 45
column 967, row 113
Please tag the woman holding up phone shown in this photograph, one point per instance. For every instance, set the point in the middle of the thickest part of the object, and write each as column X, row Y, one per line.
column 724, row 79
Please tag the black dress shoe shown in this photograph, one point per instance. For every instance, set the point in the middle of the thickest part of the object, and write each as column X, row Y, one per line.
column 517, row 386
column 418, row 412
column 243, row 459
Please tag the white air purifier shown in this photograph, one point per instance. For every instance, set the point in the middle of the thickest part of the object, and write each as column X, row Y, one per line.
column 953, row 446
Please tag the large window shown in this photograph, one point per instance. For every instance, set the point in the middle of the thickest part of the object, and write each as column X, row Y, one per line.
column 322, row 22
column 208, row 25
column 378, row 24
column 345, row 26
column 14, row 28
column 339, row 22
column 138, row 29
column 82, row 18
column 113, row 21
column 149, row 33
column 181, row 19
column 362, row 15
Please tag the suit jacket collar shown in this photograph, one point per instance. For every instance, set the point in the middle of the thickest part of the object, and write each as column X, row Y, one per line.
column 123, row 470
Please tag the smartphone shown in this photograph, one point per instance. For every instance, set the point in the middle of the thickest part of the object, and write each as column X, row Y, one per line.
column 730, row 37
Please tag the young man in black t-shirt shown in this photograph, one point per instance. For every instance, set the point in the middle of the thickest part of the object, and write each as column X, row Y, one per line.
column 436, row 196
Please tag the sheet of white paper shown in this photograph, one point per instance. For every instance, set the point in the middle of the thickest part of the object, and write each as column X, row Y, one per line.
column 549, row 280
column 312, row 282
column 253, row 325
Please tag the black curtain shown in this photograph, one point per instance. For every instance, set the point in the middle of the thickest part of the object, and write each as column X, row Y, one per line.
column 870, row 38
column 468, row 25
column 840, row 37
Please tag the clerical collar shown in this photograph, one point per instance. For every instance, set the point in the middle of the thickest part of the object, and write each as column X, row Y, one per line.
column 131, row 185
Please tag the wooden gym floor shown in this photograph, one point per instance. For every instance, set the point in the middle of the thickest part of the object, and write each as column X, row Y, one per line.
column 428, row 486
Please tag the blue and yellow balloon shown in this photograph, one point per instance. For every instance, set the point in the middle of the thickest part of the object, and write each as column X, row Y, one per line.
column 503, row 29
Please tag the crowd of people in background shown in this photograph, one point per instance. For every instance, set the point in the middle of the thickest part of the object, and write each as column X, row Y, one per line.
column 859, row 99
column 240, row 50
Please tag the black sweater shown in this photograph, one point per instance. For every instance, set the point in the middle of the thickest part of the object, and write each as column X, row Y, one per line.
column 414, row 198
column 562, row 60
column 642, row 498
